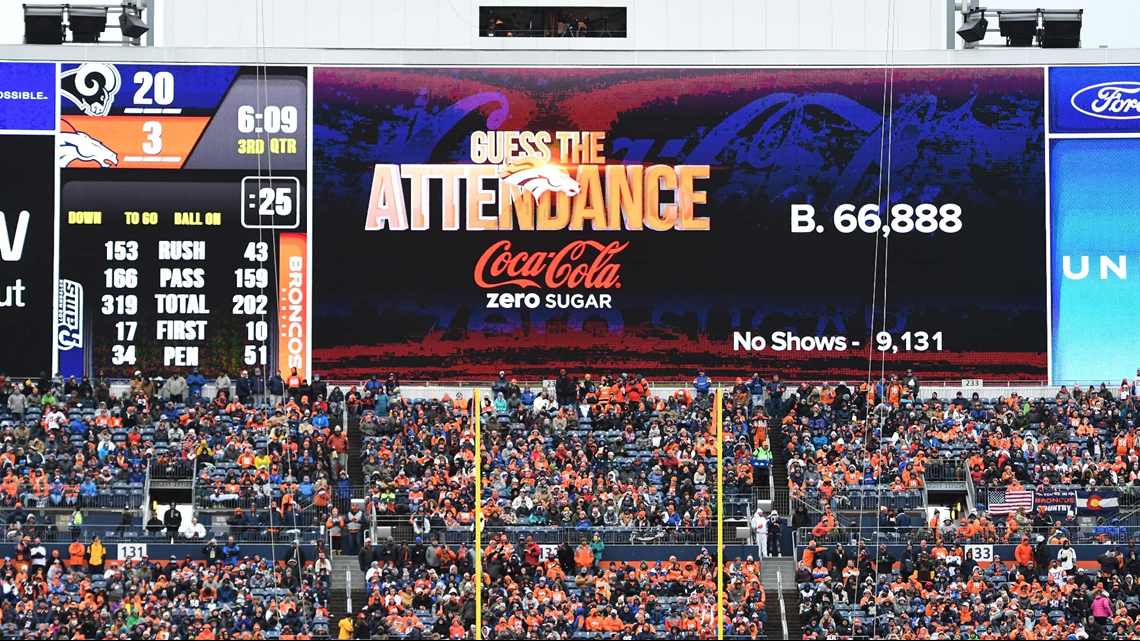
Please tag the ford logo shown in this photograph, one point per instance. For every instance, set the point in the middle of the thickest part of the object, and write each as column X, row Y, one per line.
column 1109, row 100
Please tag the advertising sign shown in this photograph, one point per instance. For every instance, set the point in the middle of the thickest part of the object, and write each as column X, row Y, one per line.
column 27, row 251
column 1102, row 99
column 672, row 219
column 27, row 96
column 1094, row 221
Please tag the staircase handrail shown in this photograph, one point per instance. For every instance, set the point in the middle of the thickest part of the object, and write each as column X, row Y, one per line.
column 348, row 591
column 146, row 498
column 971, row 492
column 783, row 610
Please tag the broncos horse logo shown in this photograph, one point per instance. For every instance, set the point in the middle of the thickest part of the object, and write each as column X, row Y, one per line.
column 76, row 145
column 537, row 177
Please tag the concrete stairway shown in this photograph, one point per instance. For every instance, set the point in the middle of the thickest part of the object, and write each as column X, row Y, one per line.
column 786, row 566
column 338, row 596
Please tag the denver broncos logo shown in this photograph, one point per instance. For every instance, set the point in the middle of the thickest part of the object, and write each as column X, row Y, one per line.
column 77, row 146
column 537, row 177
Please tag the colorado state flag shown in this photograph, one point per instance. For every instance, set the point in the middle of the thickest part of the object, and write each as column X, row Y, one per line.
column 1097, row 503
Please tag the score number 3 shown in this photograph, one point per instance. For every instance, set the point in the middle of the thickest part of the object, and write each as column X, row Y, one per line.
column 153, row 131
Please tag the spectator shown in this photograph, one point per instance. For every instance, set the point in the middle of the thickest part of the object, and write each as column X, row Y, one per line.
column 194, row 384
column 223, row 385
column 173, row 521
column 96, row 556
column 176, row 387
column 243, row 387
column 192, row 529
column 276, row 389
column 702, row 384
column 293, row 386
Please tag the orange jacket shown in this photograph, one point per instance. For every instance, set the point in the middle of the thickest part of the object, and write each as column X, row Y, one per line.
column 1023, row 554
column 584, row 557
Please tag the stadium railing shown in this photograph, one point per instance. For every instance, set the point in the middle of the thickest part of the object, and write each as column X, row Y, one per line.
column 553, row 535
column 62, row 533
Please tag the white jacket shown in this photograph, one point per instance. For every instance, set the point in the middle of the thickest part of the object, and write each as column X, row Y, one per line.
column 1068, row 558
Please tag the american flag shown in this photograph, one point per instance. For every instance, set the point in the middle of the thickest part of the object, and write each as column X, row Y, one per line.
column 1003, row 502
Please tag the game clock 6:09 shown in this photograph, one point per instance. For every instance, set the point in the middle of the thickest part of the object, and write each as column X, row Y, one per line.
column 204, row 262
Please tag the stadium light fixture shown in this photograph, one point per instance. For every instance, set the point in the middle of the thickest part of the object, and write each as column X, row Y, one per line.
column 86, row 23
column 1061, row 29
column 43, row 24
column 1018, row 27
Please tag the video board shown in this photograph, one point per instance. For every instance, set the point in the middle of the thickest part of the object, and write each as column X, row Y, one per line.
column 661, row 220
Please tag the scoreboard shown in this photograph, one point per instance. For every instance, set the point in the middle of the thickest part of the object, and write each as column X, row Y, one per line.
column 183, row 219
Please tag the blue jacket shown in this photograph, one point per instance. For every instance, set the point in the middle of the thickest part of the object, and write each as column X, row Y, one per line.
column 195, row 382
column 344, row 488
column 231, row 553
column 703, row 383
column 904, row 522
column 276, row 385
column 756, row 385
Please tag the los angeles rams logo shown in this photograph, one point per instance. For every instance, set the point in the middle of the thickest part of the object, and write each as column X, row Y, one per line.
column 91, row 86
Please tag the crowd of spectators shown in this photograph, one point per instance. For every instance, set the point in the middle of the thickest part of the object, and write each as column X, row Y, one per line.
column 222, row 593
column 416, row 591
column 850, row 588
column 574, row 592
column 418, row 460
column 744, row 599
column 598, row 455
column 73, row 444
column 566, row 471
column 938, row 590
column 832, row 437
column 586, row 463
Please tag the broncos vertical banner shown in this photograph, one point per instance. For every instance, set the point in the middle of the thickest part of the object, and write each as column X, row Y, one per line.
column 669, row 219
column 293, row 305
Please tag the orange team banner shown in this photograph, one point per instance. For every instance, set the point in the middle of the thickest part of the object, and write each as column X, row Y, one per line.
column 293, row 305
column 135, row 142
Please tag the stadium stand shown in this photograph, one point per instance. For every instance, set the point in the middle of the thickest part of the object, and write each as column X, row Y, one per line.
column 1022, row 563
column 598, row 512
column 416, row 466
column 574, row 472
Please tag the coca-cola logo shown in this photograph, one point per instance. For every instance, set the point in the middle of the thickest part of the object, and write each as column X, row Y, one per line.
column 582, row 263
column 1109, row 100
